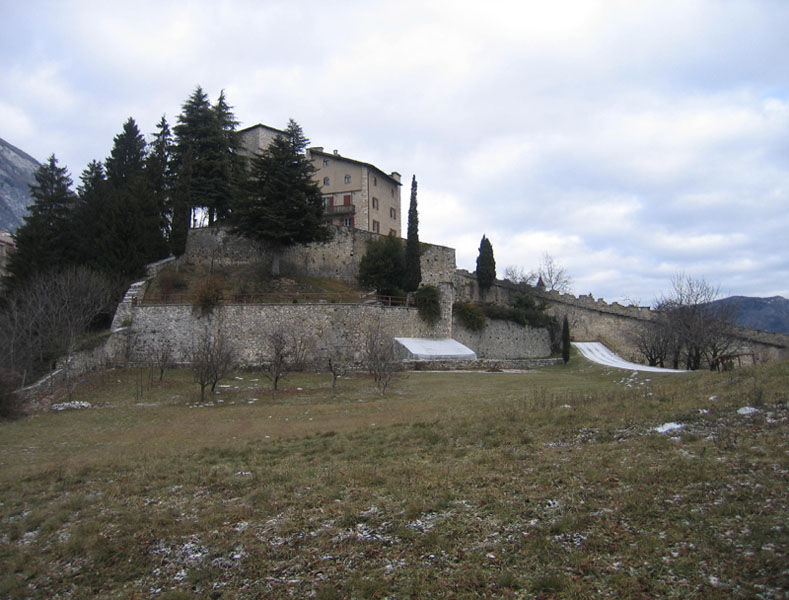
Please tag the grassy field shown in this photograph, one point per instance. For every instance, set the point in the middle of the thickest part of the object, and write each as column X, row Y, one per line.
column 548, row 484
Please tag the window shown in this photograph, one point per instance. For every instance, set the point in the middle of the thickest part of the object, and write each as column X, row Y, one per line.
column 375, row 203
column 376, row 226
column 347, row 179
column 391, row 190
column 327, row 202
column 325, row 162
column 393, row 232
column 346, row 199
column 393, row 213
column 325, row 181
column 375, row 181
column 348, row 221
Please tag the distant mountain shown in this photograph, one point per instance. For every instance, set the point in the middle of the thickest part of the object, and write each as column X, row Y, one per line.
column 764, row 314
column 16, row 174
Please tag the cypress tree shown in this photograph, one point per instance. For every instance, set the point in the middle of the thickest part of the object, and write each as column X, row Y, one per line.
column 413, row 268
column 565, row 340
column 486, row 264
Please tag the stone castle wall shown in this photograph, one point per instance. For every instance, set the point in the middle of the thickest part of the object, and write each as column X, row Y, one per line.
column 337, row 258
column 504, row 340
column 327, row 330
column 613, row 324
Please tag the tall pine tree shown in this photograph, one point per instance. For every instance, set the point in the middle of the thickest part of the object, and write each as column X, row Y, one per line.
column 283, row 205
column 158, row 173
column 45, row 240
column 206, row 138
column 128, row 231
column 486, row 264
column 413, row 268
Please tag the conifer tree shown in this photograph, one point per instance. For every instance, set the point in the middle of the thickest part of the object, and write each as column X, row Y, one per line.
column 283, row 205
column 413, row 268
column 128, row 232
column 158, row 173
column 127, row 158
column 565, row 340
column 486, row 264
column 89, row 214
column 45, row 240
column 205, row 135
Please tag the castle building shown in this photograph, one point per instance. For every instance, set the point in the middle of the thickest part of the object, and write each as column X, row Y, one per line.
column 355, row 194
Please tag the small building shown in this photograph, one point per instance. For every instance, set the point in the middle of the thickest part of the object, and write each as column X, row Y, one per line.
column 355, row 193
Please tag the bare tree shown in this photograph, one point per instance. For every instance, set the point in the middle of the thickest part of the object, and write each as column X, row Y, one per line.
column 211, row 355
column 45, row 318
column 280, row 351
column 689, row 330
column 379, row 355
column 517, row 274
column 554, row 277
column 338, row 369
column 160, row 356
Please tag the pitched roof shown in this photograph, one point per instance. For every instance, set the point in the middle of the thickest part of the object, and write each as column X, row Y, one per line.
column 336, row 155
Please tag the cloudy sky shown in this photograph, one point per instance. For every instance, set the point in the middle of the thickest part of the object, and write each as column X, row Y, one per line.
column 628, row 139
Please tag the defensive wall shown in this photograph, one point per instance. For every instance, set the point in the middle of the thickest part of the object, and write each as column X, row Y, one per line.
column 337, row 258
column 613, row 324
column 326, row 329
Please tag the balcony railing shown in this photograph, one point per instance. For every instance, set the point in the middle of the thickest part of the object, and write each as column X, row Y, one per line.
column 341, row 209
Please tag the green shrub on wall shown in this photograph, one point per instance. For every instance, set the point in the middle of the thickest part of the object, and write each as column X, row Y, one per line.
column 469, row 315
column 428, row 301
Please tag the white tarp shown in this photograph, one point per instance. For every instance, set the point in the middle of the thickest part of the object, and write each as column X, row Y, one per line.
column 428, row 349
column 597, row 352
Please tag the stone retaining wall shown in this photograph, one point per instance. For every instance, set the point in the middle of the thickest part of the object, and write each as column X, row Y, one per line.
column 328, row 330
column 503, row 339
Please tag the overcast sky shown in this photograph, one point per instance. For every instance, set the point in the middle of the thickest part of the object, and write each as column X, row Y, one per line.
column 630, row 140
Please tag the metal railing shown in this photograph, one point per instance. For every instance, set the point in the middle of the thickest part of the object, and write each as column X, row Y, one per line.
column 341, row 209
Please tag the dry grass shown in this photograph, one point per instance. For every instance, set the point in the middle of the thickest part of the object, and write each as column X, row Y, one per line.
column 242, row 281
column 551, row 484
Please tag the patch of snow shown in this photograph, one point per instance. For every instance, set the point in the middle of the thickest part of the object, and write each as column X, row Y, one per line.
column 747, row 410
column 666, row 427
column 74, row 404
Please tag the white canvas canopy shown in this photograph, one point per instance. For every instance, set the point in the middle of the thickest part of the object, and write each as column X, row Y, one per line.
column 429, row 349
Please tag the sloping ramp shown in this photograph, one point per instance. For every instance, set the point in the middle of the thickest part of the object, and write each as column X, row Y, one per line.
column 429, row 349
column 598, row 353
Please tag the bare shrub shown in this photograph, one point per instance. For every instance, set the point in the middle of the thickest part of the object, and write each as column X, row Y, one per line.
column 45, row 318
column 279, row 353
column 160, row 356
column 338, row 369
column 379, row 355
column 211, row 355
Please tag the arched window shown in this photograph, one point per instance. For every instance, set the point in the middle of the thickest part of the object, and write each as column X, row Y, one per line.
column 325, row 181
